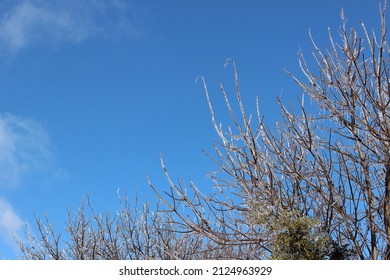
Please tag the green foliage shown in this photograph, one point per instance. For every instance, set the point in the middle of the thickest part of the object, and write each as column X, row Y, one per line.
column 298, row 238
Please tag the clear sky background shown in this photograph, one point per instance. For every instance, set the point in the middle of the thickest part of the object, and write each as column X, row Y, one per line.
column 92, row 91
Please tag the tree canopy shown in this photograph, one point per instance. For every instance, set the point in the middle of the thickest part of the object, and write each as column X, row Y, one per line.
column 316, row 186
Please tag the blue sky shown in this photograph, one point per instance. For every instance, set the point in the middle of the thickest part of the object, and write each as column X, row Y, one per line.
column 92, row 91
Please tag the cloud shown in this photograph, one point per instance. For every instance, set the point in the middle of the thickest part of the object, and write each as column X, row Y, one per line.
column 24, row 22
column 25, row 155
column 25, row 149
column 11, row 224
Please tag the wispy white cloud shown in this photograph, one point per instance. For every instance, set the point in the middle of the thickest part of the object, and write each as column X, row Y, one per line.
column 25, row 153
column 25, row 22
column 25, row 149
column 11, row 224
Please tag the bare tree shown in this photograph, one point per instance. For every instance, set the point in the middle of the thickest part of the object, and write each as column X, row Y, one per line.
column 316, row 186
column 136, row 233
column 331, row 166
column 352, row 157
